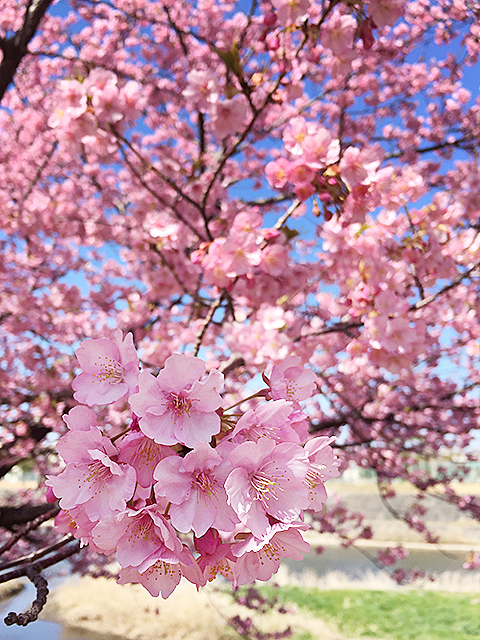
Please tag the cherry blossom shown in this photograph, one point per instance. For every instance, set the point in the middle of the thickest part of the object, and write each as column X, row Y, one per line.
column 195, row 488
column 291, row 381
column 177, row 406
column 260, row 559
column 266, row 480
column 91, row 477
column 110, row 370
column 323, row 466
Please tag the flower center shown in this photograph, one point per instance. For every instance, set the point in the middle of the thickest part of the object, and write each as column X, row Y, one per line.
column 291, row 388
column 271, row 551
column 205, row 483
column 257, row 431
column 178, row 406
column 141, row 530
column 109, row 370
column 262, row 487
column 315, row 475
column 98, row 472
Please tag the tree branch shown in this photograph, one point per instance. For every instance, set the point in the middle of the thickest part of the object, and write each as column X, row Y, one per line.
column 15, row 48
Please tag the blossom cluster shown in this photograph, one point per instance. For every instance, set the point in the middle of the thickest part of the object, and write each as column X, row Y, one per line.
column 89, row 106
column 247, row 250
column 191, row 488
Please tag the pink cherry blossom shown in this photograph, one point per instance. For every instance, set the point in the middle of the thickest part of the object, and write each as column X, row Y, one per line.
column 202, row 88
column 80, row 418
column 303, row 190
column 110, row 370
column 291, row 381
column 194, row 486
column 259, row 559
column 269, row 420
column 266, row 480
column 339, row 32
column 91, row 478
column 143, row 454
column 161, row 578
column 179, row 405
column 385, row 12
column 228, row 116
column 274, row 258
column 276, row 172
column 289, row 11
column 142, row 538
column 323, row 465
column 215, row 556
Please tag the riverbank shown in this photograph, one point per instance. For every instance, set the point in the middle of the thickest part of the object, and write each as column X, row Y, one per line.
column 128, row 612
column 99, row 609
column 11, row 589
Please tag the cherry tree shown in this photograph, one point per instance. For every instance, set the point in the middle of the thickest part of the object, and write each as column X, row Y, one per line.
column 267, row 186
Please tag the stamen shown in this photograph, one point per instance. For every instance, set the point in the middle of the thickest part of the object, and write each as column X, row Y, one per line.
column 291, row 388
column 178, row 405
column 205, row 483
column 258, row 431
column 262, row 487
column 98, row 472
column 315, row 475
column 109, row 370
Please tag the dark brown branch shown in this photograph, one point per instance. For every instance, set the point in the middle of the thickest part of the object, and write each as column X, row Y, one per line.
column 12, row 516
column 47, row 511
column 31, row 614
column 461, row 143
column 234, row 362
column 452, row 285
column 15, row 48
column 215, row 305
column 66, row 552
column 36, row 555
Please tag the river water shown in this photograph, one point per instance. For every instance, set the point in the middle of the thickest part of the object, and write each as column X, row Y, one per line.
column 356, row 566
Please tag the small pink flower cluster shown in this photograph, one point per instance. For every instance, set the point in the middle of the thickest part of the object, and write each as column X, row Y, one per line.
column 314, row 148
column 239, row 482
column 246, row 251
column 86, row 109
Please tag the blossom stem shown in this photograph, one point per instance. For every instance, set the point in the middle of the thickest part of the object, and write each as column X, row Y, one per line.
column 255, row 395
column 119, row 435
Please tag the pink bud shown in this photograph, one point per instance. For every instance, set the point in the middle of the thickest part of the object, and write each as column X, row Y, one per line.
column 366, row 33
column 269, row 234
column 208, row 543
column 273, row 43
column 324, row 197
column 269, row 19
column 50, row 496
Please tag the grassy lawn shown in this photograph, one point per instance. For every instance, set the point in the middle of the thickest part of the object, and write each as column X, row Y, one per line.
column 409, row 615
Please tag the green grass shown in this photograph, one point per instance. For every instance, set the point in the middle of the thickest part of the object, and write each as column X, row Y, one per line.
column 409, row 615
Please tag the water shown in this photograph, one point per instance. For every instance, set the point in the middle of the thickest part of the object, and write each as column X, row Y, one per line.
column 355, row 565
column 39, row 630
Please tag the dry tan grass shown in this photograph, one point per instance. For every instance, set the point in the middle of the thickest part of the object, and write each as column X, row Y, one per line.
column 10, row 589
